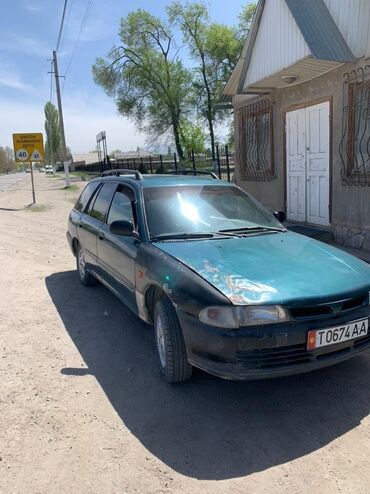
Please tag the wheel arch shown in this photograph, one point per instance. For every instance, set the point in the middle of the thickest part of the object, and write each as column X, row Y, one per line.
column 152, row 294
column 75, row 244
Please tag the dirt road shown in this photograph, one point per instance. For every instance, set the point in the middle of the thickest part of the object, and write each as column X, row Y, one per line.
column 84, row 410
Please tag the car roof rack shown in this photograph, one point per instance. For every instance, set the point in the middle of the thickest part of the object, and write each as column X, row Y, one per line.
column 193, row 172
column 122, row 171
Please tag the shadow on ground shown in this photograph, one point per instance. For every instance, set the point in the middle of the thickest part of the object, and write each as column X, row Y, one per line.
column 206, row 428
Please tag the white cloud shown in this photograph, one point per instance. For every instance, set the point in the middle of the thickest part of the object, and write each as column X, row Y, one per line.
column 10, row 78
column 34, row 6
column 82, row 122
column 12, row 42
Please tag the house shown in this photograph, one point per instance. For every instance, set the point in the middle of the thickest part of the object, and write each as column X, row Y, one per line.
column 301, row 98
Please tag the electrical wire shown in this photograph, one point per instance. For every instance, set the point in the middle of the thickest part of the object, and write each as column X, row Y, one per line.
column 66, row 25
column 77, row 40
column 61, row 25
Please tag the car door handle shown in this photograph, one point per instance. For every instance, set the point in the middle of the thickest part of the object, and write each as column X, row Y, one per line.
column 101, row 236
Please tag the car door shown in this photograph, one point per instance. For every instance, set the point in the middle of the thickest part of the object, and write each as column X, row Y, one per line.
column 117, row 253
column 90, row 222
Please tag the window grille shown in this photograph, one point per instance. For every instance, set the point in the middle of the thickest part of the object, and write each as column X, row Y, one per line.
column 255, row 150
column 354, row 148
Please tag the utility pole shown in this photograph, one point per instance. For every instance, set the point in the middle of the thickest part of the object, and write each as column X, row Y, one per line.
column 61, row 123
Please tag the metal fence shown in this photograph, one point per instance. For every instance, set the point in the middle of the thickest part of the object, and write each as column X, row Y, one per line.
column 223, row 166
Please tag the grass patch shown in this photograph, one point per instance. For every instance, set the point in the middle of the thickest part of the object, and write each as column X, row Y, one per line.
column 37, row 208
column 72, row 188
column 83, row 175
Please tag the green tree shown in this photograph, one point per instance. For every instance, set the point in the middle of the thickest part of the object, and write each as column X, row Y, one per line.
column 53, row 141
column 215, row 48
column 193, row 138
column 245, row 19
column 145, row 76
column 7, row 162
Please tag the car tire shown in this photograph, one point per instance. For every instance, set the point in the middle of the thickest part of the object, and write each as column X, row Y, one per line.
column 170, row 345
column 86, row 278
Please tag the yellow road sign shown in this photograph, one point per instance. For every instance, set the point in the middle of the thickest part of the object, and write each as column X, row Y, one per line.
column 28, row 147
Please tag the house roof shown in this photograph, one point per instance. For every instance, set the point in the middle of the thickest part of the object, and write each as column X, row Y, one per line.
column 318, row 28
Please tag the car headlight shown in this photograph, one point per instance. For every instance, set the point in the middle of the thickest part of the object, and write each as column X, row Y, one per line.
column 250, row 315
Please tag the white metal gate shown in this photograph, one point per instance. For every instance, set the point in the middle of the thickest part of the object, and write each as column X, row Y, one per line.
column 307, row 159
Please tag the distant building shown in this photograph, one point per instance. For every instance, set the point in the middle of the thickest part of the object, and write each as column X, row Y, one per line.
column 85, row 158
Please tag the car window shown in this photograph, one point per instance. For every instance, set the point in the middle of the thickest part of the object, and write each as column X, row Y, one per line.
column 103, row 200
column 121, row 207
column 171, row 210
column 85, row 195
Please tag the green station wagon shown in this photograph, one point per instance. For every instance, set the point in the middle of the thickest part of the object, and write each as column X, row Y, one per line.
column 228, row 289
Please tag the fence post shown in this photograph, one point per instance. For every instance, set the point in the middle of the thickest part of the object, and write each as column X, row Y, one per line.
column 218, row 162
column 161, row 165
column 151, row 165
column 175, row 160
column 193, row 160
column 227, row 162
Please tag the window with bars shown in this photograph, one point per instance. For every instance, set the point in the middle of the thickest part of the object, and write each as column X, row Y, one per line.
column 355, row 143
column 255, row 150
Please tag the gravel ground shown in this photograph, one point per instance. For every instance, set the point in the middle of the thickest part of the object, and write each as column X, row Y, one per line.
column 84, row 410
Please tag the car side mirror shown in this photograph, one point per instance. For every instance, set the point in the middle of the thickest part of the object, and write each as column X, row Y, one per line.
column 280, row 216
column 123, row 227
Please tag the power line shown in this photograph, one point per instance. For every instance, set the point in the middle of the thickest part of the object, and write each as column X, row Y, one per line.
column 61, row 25
column 66, row 26
column 83, row 22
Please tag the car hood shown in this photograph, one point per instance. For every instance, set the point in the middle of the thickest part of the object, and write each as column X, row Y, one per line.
column 273, row 268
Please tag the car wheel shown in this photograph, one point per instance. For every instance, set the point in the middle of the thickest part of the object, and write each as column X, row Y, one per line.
column 86, row 278
column 170, row 344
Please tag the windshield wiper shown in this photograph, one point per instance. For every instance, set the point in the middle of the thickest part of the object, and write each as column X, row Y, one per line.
column 179, row 236
column 253, row 229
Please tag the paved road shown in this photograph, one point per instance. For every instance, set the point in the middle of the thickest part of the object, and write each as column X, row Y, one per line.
column 6, row 181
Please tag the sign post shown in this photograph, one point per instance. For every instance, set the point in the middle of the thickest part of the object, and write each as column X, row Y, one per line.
column 29, row 148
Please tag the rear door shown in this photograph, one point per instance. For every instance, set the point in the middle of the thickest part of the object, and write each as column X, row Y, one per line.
column 90, row 222
column 117, row 253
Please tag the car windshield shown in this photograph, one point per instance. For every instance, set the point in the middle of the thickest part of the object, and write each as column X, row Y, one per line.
column 203, row 209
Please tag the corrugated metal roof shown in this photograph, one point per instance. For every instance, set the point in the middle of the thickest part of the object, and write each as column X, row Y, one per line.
column 319, row 30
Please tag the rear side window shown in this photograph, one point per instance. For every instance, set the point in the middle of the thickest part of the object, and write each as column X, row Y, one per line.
column 121, row 207
column 103, row 200
column 85, row 195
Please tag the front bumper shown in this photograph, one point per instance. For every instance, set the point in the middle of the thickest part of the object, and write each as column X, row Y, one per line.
column 266, row 351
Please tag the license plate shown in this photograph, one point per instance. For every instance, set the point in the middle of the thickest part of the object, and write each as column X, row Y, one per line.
column 318, row 338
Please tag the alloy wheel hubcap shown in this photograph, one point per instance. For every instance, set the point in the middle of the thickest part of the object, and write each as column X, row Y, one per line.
column 160, row 341
column 81, row 263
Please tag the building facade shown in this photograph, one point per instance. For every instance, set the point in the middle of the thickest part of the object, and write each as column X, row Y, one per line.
column 301, row 99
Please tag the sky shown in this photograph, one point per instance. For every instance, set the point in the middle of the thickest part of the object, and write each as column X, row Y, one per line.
column 28, row 34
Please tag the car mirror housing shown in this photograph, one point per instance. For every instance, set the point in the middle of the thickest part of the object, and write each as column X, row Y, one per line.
column 123, row 227
column 280, row 216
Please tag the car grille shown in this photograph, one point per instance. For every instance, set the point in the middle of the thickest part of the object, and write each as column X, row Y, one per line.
column 273, row 358
column 328, row 309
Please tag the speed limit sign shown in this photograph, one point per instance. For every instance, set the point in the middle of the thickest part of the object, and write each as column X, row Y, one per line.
column 28, row 147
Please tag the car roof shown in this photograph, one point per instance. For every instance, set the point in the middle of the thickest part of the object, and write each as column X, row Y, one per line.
column 166, row 180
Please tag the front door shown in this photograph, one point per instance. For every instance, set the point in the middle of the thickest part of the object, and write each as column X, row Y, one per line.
column 116, row 253
column 307, row 149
